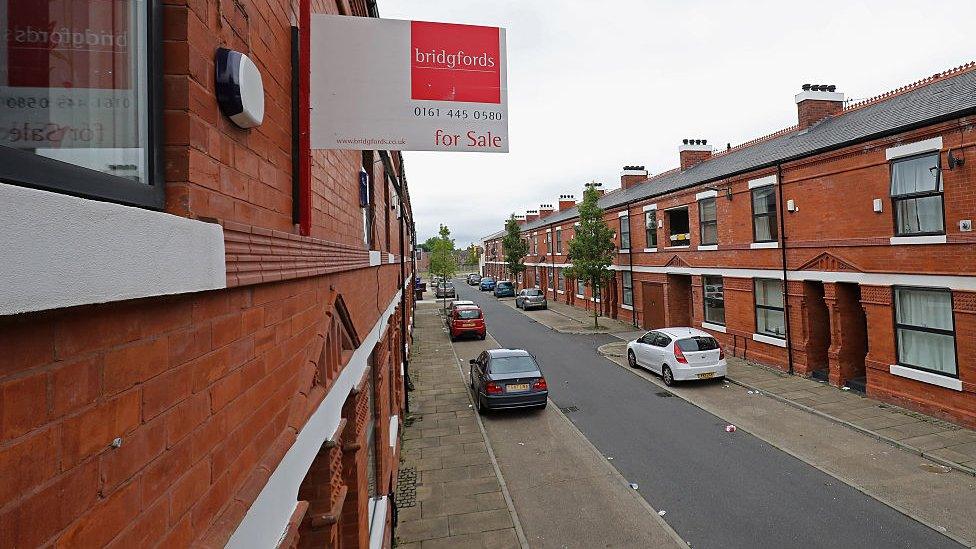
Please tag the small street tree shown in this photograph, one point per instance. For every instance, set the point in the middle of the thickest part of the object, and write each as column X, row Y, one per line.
column 515, row 249
column 442, row 258
column 591, row 249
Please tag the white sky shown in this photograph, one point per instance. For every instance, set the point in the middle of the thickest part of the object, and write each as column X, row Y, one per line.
column 591, row 90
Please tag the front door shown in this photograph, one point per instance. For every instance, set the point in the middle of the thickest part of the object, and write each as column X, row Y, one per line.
column 652, row 299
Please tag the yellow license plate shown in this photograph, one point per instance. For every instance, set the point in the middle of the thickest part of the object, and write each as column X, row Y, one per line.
column 468, row 324
column 706, row 375
column 516, row 387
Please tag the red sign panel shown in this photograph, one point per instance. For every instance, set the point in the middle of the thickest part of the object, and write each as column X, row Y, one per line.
column 454, row 63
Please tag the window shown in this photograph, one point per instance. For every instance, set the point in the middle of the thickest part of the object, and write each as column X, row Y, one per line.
column 549, row 242
column 924, row 327
column 535, row 245
column 916, row 191
column 764, row 214
column 770, row 319
column 536, row 278
column 79, row 98
column 708, row 221
column 650, row 227
column 580, row 287
column 562, row 281
column 625, row 232
column 372, row 486
column 714, row 299
column 596, row 291
column 678, row 227
column 628, row 288
column 559, row 241
column 550, row 274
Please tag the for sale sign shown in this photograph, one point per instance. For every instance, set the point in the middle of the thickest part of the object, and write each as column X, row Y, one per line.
column 407, row 85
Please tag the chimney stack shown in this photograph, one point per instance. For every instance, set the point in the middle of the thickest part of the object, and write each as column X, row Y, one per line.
column 632, row 175
column 520, row 219
column 566, row 201
column 693, row 151
column 545, row 210
column 531, row 215
column 816, row 102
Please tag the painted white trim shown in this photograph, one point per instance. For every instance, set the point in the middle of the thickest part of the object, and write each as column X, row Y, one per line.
column 713, row 327
column 688, row 247
column 763, row 245
column 819, row 96
column 912, row 240
column 624, row 213
column 705, row 194
column 926, row 377
column 580, row 296
column 634, row 172
column 375, row 258
column 394, row 429
column 649, row 207
column 62, row 251
column 390, row 258
column 560, row 291
column 708, row 248
column 697, row 148
column 548, row 230
column 595, row 300
column 377, row 528
column 623, row 251
column 267, row 518
column 626, row 307
column 770, row 340
column 534, row 233
column 558, row 253
column 650, row 250
column 918, row 147
column 762, row 181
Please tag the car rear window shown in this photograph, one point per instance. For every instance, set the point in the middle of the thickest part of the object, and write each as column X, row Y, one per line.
column 504, row 284
column 468, row 314
column 698, row 343
column 533, row 293
column 512, row 365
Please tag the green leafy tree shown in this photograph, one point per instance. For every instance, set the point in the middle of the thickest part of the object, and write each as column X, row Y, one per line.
column 428, row 245
column 515, row 249
column 474, row 255
column 443, row 262
column 592, row 248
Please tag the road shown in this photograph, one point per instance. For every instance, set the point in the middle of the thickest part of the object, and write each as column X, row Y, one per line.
column 717, row 489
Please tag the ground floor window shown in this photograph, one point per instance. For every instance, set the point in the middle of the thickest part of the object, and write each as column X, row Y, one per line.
column 714, row 299
column 770, row 319
column 628, row 288
column 925, row 332
column 549, row 275
column 580, row 287
column 562, row 281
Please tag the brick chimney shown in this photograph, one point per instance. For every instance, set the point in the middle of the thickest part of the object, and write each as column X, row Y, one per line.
column 631, row 176
column 520, row 219
column 545, row 210
column 531, row 215
column 693, row 151
column 566, row 201
column 816, row 102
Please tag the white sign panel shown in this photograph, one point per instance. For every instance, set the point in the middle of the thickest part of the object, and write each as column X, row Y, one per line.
column 407, row 85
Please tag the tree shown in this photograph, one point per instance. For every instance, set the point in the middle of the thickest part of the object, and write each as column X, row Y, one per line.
column 591, row 249
column 442, row 260
column 474, row 255
column 428, row 245
column 515, row 249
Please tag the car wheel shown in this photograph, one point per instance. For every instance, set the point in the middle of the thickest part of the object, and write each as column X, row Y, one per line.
column 545, row 307
column 482, row 410
column 482, row 337
column 667, row 376
column 543, row 407
column 471, row 379
column 631, row 359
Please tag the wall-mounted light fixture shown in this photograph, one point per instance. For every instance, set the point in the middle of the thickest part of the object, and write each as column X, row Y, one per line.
column 955, row 161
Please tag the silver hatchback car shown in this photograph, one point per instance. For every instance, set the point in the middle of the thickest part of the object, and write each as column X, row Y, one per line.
column 531, row 298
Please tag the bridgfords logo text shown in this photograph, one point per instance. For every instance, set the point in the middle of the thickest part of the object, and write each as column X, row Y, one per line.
column 455, row 63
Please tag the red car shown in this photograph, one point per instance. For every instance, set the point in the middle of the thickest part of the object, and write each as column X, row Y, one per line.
column 467, row 319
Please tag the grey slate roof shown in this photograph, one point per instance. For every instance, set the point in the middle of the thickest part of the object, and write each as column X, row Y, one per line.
column 947, row 97
column 493, row 236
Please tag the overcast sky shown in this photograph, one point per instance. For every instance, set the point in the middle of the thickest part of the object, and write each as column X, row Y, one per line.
column 592, row 90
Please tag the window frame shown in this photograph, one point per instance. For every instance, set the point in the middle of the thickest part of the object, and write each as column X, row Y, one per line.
column 559, row 241
column 624, row 223
column 561, row 281
column 580, row 287
column 648, row 232
column 757, row 306
column 940, row 192
column 681, row 243
column 702, row 223
column 705, row 299
column 29, row 170
column 773, row 227
column 624, row 288
column 897, row 326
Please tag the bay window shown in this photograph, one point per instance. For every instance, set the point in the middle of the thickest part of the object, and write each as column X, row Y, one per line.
column 924, row 330
column 916, row 191
column 770, row 318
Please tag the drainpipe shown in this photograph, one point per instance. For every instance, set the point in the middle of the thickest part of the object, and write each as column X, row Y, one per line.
column 786, row 293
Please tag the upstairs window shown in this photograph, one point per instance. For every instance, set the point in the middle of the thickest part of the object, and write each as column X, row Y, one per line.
column 625, row 232
column 764, row 214
column 559, row 241
column 679, row 231
column 650, row 228
column 549, row 242
column 916, row 190
column 925, row 333
column 708, row 221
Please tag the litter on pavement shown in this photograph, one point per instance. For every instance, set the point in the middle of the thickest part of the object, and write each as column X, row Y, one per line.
column 730, row 428
column 662, row 512
column 634, row 485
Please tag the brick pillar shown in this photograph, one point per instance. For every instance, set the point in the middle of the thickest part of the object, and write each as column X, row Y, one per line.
column 847, row 334
column 876, row 302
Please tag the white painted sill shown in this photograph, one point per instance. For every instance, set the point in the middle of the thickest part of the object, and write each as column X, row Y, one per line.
column 650, row 250
column 915, row 240
column 770, row 340
column 560, row 291
column 763, row 245
column 623, row 251
column 926, row 377
column 677, row 247
column 708, row 248
column 394, row 428
column 713, row 327
column 627, row 307
column 580, row 296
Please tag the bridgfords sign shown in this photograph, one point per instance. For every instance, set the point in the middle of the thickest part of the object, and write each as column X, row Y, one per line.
column 407, row 85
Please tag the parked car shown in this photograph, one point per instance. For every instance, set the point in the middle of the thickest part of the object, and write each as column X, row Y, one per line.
column 504, row 288
column 467, row 320
column 678, row 354
column 487, row 284
column 445, row 289
column 507, row 378
column 474, row 279
column 531, row 298
column 455, row 304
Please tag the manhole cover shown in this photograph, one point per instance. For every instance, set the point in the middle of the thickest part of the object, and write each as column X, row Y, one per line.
column 664, row 394
column 568, row 409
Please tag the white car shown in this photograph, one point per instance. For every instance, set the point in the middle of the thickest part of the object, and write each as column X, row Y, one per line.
column 678, row 354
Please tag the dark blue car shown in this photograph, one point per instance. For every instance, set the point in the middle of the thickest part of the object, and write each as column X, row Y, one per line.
column 487, row 284
column 504, row 288
column 507, row 378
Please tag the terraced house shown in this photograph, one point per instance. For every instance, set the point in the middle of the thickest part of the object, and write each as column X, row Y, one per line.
column 840, row 247
column 203, row 323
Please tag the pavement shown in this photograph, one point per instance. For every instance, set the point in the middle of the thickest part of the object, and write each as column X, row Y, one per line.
column 784, row 478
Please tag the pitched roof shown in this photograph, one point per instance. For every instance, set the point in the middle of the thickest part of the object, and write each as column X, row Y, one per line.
column 942, row 96
column 493, row 236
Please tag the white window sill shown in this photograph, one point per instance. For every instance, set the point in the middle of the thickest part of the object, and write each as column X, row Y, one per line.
column 377, row 522
column 713, row 327
column 394, row 428
column 677, row 247
column 926, row 377
column 770, row 340
column 927, row 239
column 375, row 258
column 708, row 248
column 627, row 307
column 623, row 251
column 650, row 250
column 595, row 300
column 763, row 245
column 560, row 291
column 580, row 296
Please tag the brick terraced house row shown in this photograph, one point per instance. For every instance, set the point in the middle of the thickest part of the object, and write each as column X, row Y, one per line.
column 203, row 328
column 864, row 209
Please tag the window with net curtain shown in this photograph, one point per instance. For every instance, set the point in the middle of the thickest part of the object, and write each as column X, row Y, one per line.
column 708, row 221
column 917, row 195
column 764, row 214
column 770, row 318
column 925, row 332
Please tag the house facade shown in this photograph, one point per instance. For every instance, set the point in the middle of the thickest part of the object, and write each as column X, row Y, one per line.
column 841, row 247
column 204, row 327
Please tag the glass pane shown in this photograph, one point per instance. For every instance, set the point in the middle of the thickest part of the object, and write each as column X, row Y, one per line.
column 924, row 308
column 769, row 292
column 697, row 343
column 770, row 322
column 650, row 228
column 73, row 82
column 628, row 279
column 709, row 233
column 512, row 364
column 915, row 175
column 765, row 228
column 706, row 210
column 927, row 350
column 469, row 314
column 715, row 311
column 628, row 296
column 763, row 200
column 919, row 215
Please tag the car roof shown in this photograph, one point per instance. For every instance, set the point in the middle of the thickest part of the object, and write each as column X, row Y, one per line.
column 468, row 307
column 458, row 302
column 679, row 332
column 502, row 353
